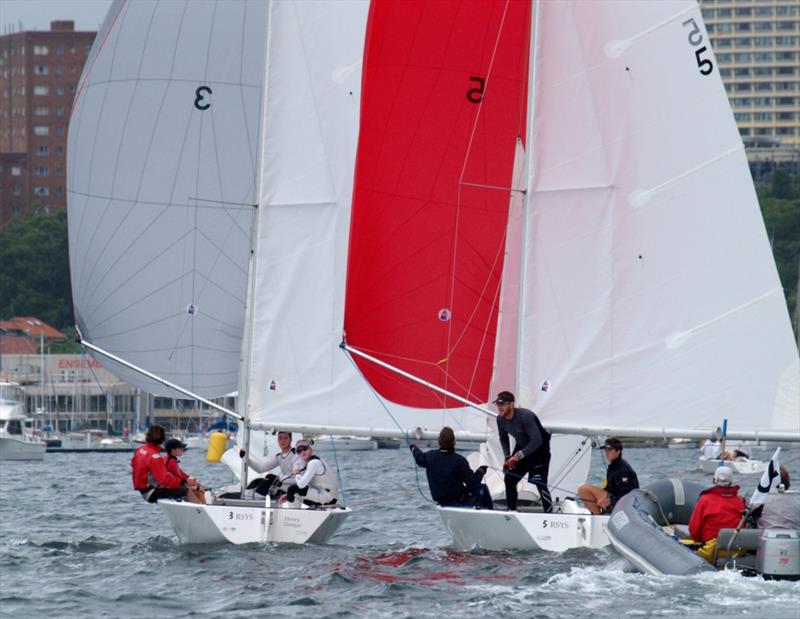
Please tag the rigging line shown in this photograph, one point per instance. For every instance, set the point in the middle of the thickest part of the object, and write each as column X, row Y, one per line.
column 475, row 310
column 253, row 161
column 464, row 168
column 494, row 187
column 388, row 412
column 230, row 205
column 338, row 472
column 224, row 203
column 97, row 380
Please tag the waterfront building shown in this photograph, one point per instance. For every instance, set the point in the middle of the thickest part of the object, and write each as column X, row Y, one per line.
column 757, row 47
column 39, row 74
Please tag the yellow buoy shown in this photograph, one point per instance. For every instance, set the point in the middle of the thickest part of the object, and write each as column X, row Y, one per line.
column 217, row 443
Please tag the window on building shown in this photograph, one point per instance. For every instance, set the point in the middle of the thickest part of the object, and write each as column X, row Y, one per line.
column 722, row 43
column 764, row 41
column 787, row 25
column 40, row 69
column 41, row 191
column 725, row 72
column 16, row 170
column 41, row 130
column 41, row 110
column 743, row 27
column 744, row 41
column 59, row 131
column 787, row 10
column 786, row 86
column 724, row 58
column 60, row 50
column 785, row 56
column 60, row 91
column 59, row 150
column 742, row 116
column 59, row 110
column 763, row 116
column 763, row 26
column 72, row 68
column 742, row 72
column 16, row 190
column 762, row 71
column 763, row 86
column 743, row 87
column 40, row 50
column 785, row 116
column 762, row 101
column 16, row 211
column 41, row 170
column 743, row 57
column 41, row 91
column 787, row 101
column 59, row 69
column 723, row 12
column 784, row 131
column 763, row 11
column 60, row 190
column 763, row 56
column 763, row 130
column 59, row 171
column 72, row 48
column 786, row 41
column 41, row 150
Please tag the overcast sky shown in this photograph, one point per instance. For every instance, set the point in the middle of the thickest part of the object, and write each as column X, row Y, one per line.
column 37, row 14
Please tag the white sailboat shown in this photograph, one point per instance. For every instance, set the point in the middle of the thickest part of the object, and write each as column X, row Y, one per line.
column 15, row 443
column 437, row 218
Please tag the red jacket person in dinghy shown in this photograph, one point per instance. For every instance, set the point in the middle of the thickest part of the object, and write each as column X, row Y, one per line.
column 151, row 477
column 718, row 507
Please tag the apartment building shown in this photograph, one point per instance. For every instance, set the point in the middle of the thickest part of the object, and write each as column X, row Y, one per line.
column 757, row 45
column 39, row 74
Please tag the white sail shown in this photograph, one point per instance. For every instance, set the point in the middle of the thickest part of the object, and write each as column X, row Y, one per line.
column 298, row 376
column 163, row 148
column 652, row 299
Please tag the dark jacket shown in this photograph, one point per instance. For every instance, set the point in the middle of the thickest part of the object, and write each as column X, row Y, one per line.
column 620, row 480
column 529, row 435
column 450, row 479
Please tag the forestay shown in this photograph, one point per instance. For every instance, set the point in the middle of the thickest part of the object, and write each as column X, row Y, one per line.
column 162, row 187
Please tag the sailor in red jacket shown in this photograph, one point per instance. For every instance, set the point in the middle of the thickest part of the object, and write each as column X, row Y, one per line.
column 150, row 475
column 719, row 507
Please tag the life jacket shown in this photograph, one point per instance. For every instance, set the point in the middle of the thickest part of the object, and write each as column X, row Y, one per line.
column 325, row 480
column 149, row 469
column 174, row 468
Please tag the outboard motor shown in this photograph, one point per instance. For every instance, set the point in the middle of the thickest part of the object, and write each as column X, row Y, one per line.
column 779, row 554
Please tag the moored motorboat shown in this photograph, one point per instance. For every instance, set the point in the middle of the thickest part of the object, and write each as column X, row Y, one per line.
column 15, row 443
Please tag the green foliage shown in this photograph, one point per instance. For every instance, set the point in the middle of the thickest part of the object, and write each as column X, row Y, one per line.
column 34, row 278
column 780, row 207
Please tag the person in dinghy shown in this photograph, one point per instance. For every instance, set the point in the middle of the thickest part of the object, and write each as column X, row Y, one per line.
column 150, row 475
column 315, row 482
column 286, row 460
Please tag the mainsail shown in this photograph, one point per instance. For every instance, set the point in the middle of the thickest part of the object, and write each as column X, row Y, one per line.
column 163, row 149
column 651, row 299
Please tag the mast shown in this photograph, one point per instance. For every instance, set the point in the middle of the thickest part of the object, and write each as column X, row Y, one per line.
column 243, row 403
column 523, row 268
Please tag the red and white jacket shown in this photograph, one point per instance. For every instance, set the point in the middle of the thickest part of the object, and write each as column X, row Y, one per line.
column 149, row 469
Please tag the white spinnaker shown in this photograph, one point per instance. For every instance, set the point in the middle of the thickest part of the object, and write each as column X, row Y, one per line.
column 652, row 299
column 298, row 374
column 163, row 148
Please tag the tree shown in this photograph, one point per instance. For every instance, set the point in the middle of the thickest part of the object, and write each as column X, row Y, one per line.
column 34, row 279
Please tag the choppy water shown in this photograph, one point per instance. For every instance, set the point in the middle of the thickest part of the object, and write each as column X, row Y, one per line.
column 76, row 541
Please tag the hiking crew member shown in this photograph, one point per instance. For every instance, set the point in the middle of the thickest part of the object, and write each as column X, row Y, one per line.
column 316, row 483
column 532, row 455
column 285, row 459
column 620, row 480
column 150, row 475
column 451, row 480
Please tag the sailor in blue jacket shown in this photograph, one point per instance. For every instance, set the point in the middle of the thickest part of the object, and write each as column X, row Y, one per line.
column 452, row 482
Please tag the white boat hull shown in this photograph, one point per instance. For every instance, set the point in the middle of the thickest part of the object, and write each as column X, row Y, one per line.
column 13, row 448
column 503, row 530
column 742, row 467
column 216, row 524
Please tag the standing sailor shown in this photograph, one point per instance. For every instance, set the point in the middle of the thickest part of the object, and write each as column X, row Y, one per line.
column 532, row 447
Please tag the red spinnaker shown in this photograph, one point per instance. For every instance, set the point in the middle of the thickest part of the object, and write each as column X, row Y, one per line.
column 443, row 103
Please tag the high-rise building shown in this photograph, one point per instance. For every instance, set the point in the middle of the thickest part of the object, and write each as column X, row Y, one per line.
column 39, row 74
column 757, row 45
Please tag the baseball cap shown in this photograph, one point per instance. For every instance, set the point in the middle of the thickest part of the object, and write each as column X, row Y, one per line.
column 173, row 443
column 504, row 397
column 302, row 445
column 723, row 476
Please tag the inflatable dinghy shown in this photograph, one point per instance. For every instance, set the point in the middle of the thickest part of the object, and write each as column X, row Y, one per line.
column 646, row 525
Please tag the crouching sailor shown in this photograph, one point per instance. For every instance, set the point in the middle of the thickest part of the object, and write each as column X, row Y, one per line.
column 719, row 507
column 151, row 477
column 285, row 459
column 315, row 484
column 451, row 480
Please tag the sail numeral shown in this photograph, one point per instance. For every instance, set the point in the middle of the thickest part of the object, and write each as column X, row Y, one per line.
column 475, row 95
column 696, row 40
column 200, row 102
